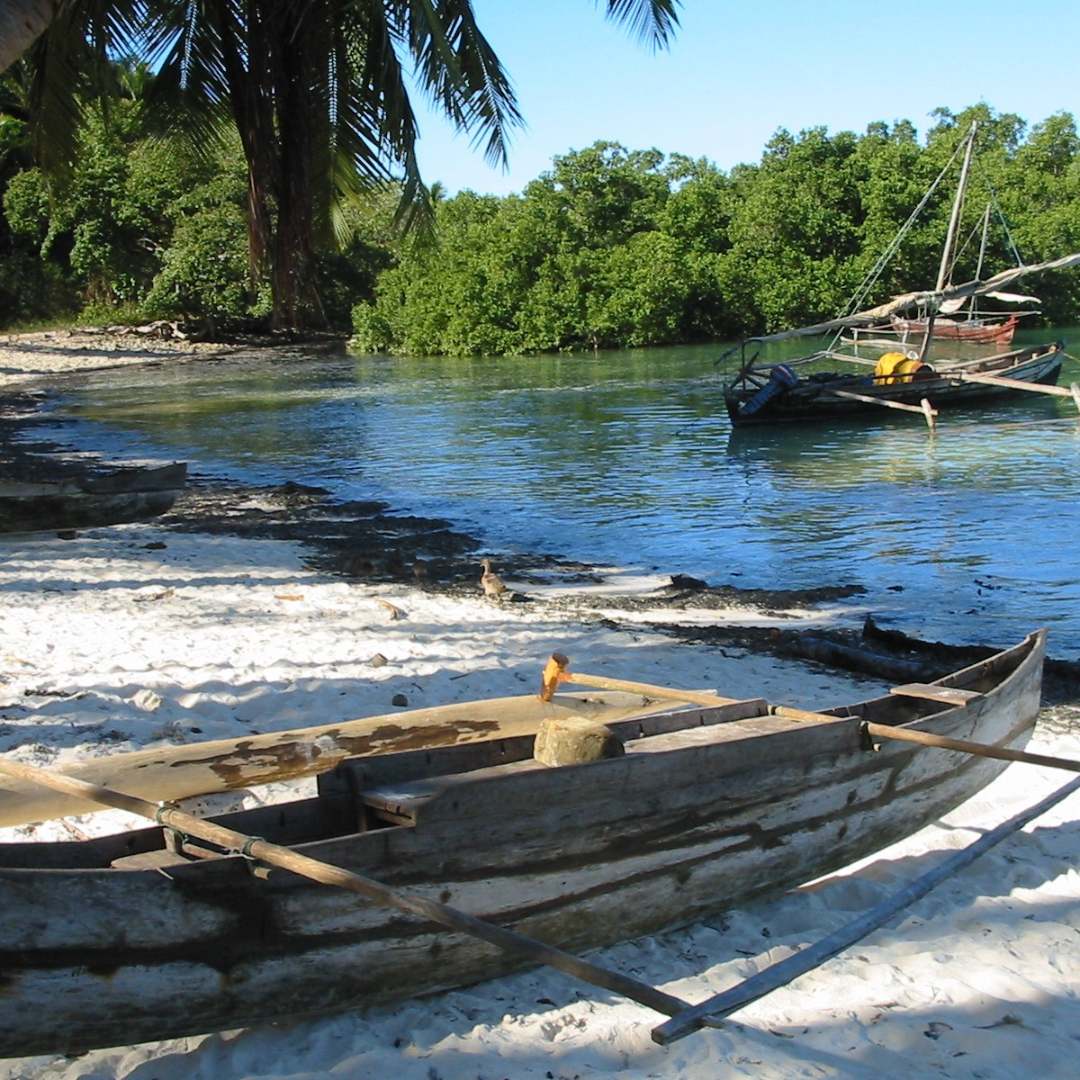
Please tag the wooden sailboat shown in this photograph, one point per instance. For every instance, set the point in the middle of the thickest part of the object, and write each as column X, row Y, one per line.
column 900, row 380
column 898, row 334
column 973, row 327
column 192, row 926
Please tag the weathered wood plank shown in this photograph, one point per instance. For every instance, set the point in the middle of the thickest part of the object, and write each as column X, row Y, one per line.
column 177, row 772
column 948, row 694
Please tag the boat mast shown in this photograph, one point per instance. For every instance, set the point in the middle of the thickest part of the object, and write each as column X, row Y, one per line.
column 982, row 256
column 954, row 220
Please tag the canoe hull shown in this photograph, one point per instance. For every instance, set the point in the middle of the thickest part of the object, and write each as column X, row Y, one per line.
column 126, row 496
column 810, row 400
column 973, row 331
column 691, row 821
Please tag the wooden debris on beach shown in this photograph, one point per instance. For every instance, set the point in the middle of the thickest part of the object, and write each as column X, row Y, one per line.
column 391, row 609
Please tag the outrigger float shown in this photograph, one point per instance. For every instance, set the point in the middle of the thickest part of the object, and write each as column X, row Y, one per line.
column 458, row 847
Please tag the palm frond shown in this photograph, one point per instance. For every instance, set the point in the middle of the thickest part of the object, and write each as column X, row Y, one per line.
column 654, row 21
column 70, row 63
column 190, row 96
column 458, row 68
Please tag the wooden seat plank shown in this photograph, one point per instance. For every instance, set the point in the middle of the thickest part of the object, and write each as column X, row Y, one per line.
column 950, row 695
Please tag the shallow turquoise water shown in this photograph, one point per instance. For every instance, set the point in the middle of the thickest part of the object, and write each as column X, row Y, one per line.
column 628, row 458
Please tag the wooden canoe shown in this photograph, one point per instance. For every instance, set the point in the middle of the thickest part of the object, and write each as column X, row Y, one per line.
column 133, row 937
column 114, row 499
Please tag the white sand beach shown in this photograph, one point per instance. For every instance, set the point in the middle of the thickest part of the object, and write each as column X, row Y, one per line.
column 136, row 635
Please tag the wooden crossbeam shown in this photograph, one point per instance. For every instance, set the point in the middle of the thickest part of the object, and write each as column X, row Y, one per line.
column 1073, row 390
column 944, row 742
column 949, row 694
column 924, row 407
column 868, row 400
column 805, row 715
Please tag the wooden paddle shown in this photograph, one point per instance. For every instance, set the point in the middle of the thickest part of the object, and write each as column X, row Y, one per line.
column 943, row 742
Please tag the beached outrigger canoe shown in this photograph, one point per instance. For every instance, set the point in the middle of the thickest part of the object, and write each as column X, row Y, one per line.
column 154, row 933
column 126, row 495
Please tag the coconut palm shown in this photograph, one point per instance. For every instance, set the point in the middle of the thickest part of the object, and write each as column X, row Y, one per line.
column 22, row 22
column 318, row 92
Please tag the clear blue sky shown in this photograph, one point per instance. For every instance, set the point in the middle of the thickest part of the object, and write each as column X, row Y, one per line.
column 740, row 69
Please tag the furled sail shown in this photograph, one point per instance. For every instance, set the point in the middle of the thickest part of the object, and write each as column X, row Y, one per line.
column 950, row 307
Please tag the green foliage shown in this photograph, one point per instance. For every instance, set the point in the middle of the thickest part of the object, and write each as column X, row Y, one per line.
column 143, row 226
column 577, row 261
column 610, row 247
column 616, row 247
column 204, row 269
column 26, row 206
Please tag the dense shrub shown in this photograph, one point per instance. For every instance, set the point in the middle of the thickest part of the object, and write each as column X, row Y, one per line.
column 618, row 247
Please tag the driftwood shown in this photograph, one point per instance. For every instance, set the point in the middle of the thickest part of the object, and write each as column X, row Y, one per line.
column 946, row 654
column 164, row 329
column 852, row 658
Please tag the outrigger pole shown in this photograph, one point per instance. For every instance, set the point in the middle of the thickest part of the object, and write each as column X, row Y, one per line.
column 711, row 1013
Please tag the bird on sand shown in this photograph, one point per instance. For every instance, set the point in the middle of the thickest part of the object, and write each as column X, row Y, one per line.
column 491, row 583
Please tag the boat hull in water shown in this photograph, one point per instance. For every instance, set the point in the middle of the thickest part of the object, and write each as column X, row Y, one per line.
column 813, row 397
column 973, row 331
column 118, row 498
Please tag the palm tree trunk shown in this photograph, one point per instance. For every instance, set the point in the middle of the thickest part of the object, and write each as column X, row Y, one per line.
column 252, row 109
column 22, row 22
column 296, row 299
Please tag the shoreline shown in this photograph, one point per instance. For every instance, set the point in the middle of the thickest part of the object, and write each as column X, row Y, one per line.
column 230, row 621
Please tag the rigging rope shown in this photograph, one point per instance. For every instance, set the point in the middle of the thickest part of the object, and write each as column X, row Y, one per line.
column 1001, row 215
column 868, row 282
